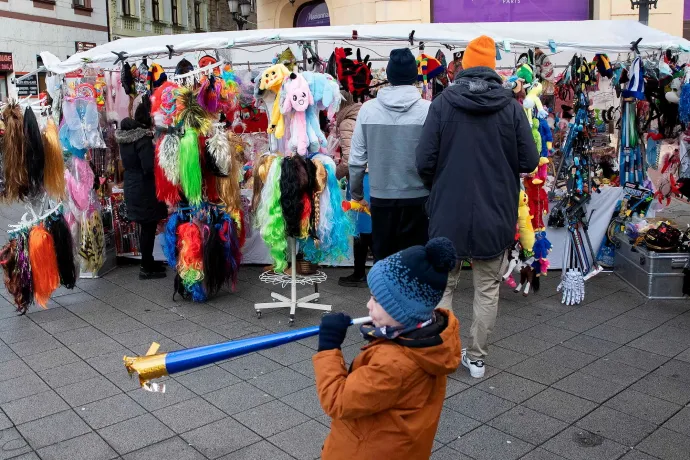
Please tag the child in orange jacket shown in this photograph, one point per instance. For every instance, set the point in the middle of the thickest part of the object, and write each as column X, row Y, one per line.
column 389, row 403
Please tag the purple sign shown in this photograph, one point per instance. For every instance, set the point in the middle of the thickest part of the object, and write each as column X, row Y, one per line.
column 313, row 14
column 510, row 10
column 686, row 10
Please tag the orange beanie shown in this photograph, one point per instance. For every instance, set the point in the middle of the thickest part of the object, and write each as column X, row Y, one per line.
column 481, row 52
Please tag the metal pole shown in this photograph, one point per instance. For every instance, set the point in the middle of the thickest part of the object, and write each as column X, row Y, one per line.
column 644, row 12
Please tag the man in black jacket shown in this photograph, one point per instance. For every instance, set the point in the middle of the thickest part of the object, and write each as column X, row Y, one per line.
column 475, row 143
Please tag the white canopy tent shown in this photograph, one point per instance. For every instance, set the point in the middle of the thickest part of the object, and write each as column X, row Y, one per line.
column 584, row 36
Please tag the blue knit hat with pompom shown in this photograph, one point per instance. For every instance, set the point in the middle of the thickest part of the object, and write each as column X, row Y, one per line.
column 410, row 284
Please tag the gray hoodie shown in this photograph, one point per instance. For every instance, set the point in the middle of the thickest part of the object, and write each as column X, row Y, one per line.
column 386, row 135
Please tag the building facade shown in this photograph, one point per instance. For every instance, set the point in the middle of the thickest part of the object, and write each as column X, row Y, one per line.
column 668, row 16
column 28, row 27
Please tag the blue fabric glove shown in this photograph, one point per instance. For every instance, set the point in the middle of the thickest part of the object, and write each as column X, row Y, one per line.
column 333, row 330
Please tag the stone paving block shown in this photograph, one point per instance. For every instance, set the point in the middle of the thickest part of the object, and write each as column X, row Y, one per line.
column 123, row 380
column 135, row 433
column 290, row 353
column 34, row 407
column 671, row 333
column 109, row 411
column 560, row 405
column 67, row 374
column 478, row 404
column 251, row 366
column 540, row 370
column 141, row 336
column 207, row 380
column 305, row 368
column 510, row 387
column 534, row 313
column 614, row 371
column 64, row 324
column 281, row 382
column 13, row 445
column 453, row 425
column 87, row 447
column 43, row 432
column 94, row 348
column 591, row 345
column 170, row 449
column 270, row 418
column 21, row 387
column 666, row 444
column 486, row 443
column 670, row 389
column 5, row 422
column 306, row 401
column 574, row 324
column 541, row 454
column 462, row 374
column 617, row 426
column 635, row 324
column 87, row 391
column 551, row 334
column 302, row 441
column 578, row 444
column 528, row 425
column 674, row 369
column 13, row 368
column 657, row 345
column 524, row 344
column 512, row 323
column 637, row 455
column 175, row 392
column 612, row 334
column 637, row 358
column 446, row 453
column 219, row 438
column 217, row 318
column 588, row 387
column 34, row 346
column 81, row 335
column 119, row 326
column 238, row 398
column 188, row 415
column 15, row 322
column 503, row 358
column 680, row 423
column 260, row 451
column 27, row 456
column 177, row 328
column 643, row 406
column 454, row 387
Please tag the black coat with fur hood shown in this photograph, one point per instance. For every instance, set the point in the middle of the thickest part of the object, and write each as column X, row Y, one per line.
column 137, row 155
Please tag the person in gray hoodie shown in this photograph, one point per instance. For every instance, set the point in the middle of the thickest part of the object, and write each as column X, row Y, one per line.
column 386, row 134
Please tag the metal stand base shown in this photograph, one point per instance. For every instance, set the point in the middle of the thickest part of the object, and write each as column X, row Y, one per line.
column 292, row 302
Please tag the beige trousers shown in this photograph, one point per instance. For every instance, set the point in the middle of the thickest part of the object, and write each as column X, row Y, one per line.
column 486, row 278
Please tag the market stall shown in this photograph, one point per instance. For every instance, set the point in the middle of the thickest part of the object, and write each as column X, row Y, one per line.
column 235, row 155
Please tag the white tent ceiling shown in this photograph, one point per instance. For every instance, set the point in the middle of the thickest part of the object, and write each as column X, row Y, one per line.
column 585, row 36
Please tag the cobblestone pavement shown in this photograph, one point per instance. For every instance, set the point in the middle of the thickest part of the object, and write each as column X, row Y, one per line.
column 606, row 380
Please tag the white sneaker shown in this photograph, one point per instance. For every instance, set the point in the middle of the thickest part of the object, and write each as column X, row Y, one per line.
column 476, row 367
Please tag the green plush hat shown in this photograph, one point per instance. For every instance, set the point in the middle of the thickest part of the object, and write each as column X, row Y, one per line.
column 525, row 73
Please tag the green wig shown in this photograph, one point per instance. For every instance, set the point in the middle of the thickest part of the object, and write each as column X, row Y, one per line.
column 190, row 166
column 271, row 220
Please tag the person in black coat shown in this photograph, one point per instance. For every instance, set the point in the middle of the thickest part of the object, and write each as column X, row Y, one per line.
column 137, row 154
column 475, row 143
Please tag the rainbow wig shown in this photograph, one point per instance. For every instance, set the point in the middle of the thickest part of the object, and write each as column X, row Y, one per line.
column 190, row 167
column 231, row 249
column 270, row 217
column 190, row 265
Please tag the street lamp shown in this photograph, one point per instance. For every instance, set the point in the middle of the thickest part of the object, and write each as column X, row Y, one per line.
column 240, row 10
column 643, row 5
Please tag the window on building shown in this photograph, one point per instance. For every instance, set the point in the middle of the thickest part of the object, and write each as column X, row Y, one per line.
column 173, row 9
column 155, row 10
column 197, row 16
column 3, row 87
column 126, row 8
column 81, row 3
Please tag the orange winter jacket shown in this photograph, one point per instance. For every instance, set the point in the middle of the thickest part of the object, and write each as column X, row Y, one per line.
column 389, row 404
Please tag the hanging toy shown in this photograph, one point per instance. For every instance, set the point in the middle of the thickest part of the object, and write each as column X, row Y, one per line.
column 297, row 99
column 525, row 223
column 92, row 249
column 546, row 137
column 272, row 80
column 80, row 190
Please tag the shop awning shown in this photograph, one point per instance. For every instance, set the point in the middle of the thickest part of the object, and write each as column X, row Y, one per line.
column 585, row 36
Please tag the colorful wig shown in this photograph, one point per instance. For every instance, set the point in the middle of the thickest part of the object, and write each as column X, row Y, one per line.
column 16, row 175
column 210, row 93
column 190, row 167
column 46, row 276
column 64, row 252
column 189, row 113
column 270, row 217
column 165, row 190
column 9, row 262
column 54, row 173
column 170, row 241
column 190, row 262
column 231, row 249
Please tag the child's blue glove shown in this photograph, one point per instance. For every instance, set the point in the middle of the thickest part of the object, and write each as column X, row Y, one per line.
column 333, row 330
